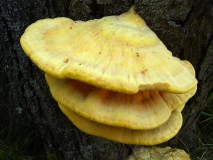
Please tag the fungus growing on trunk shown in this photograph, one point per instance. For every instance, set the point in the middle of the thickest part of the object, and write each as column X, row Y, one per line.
column 119, row 53
column 112, row 77
column 158, row 153
column 143, row 110
column 154, row 136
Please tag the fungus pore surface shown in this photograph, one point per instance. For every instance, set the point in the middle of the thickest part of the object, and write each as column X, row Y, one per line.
column 143, row 110
column 124, row 135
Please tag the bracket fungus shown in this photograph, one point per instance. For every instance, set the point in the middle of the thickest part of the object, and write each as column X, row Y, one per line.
column 143, row 110
column 154, row 136
column 119, row 53
column 112, row 77
column 157, row 153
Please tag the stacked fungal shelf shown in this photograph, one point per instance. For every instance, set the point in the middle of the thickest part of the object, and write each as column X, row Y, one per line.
column 112, row 77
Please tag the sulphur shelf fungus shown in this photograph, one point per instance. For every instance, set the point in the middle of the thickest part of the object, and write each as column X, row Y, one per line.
column 154, row 136
column 157, row 153
column 112, row 77
column 118, row 53
column 143, row 110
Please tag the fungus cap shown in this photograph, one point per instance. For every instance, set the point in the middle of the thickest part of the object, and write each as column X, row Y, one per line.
column 158, row 153
column 128, row 136
column 143, row 110
column 119, row 53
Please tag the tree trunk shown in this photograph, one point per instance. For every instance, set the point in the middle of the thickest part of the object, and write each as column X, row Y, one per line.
column 184, row 26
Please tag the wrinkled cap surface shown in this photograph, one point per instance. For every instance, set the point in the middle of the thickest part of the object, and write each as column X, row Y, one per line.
column 118, row 53
column 123, row 135
column 143, row 110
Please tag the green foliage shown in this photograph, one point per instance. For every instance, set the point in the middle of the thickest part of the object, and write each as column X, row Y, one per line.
column 19, row 138
column 207, row 123
column 205, row 133
column 50, row 155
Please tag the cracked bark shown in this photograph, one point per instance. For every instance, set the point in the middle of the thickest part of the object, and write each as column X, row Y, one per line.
column 185, row 27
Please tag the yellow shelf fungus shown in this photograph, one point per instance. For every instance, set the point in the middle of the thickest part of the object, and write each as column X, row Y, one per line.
column 119, row 53
column 112, row 77
column 158, row 153
column 143, row 110
column 128, row 136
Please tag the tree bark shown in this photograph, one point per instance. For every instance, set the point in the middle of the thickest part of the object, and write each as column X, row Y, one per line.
column 184, row 26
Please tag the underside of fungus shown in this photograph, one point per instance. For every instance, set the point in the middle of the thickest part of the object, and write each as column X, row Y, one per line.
column 128, row 136
column 143, row 110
